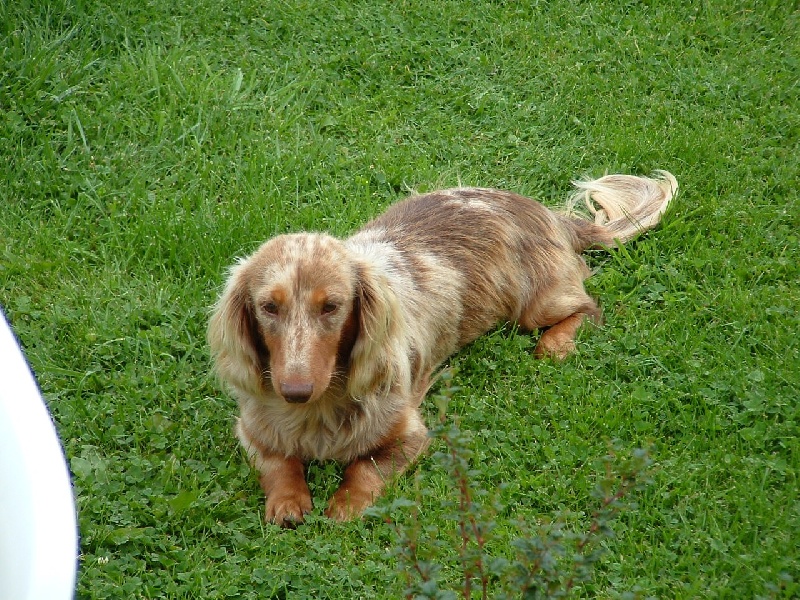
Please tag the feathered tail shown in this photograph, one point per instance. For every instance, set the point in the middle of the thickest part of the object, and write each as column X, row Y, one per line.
column 623, row 206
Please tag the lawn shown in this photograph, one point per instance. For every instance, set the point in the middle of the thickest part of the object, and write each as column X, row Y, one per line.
column 145, row 145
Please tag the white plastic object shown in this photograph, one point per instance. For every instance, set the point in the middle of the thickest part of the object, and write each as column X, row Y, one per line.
column 38, row 525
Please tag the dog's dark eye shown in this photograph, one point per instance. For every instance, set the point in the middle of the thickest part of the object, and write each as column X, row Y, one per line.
column 270, row 307
column 329, row 307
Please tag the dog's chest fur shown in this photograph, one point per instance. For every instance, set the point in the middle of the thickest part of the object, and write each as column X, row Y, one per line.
column 331, row 429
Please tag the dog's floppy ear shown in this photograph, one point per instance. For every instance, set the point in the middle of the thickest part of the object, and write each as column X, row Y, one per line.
column 239, row 352
column 377, row 360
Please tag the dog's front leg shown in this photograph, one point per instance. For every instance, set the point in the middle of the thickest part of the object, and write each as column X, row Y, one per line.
column 365, row 478
column 283, row 481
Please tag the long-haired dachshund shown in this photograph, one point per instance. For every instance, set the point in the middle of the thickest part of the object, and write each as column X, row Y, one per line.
column 329, row 345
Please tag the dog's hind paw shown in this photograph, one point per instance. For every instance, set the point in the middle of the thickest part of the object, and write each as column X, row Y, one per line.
column 554, row 348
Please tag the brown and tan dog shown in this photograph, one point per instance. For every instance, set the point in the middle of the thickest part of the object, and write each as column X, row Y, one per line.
column 329, row 345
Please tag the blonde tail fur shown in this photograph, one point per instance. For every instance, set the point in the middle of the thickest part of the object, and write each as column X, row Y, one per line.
column 623, row 206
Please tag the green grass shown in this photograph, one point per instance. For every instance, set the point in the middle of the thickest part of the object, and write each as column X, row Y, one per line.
column 147, row 144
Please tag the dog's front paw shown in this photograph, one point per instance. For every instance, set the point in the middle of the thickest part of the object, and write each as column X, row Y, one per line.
column 287, row 510
column 346, row 505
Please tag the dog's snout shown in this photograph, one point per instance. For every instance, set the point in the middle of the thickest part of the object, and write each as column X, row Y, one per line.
column 296, row 393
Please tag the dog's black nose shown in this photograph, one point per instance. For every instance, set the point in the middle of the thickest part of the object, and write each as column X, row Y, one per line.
column 296, row 393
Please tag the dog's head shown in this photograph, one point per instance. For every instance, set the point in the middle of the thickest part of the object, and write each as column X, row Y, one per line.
column 299, row 313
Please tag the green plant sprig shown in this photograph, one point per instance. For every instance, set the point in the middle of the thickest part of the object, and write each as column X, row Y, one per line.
column 550, row 562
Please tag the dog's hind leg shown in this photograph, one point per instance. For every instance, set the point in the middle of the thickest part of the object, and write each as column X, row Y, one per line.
column 558, row 341
column 560, row 310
